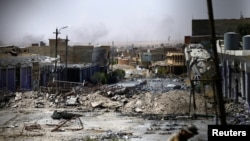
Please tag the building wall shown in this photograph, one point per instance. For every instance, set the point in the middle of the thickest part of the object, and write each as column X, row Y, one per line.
column 158, row 56
column 61, row 45
column 149, row 57
column 7, row 50
column 82, row 54
column 76, row 54
column 158, row 50
column 20, row 73
column 200, row 39
column 176, row 59
column 146, row 57
column 202, row 26
column 100, row 56
column 15, row 78
column 42, row 50
column 60, row 42
column 123, row 61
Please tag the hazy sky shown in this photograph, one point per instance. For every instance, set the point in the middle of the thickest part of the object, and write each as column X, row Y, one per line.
column 102, row 21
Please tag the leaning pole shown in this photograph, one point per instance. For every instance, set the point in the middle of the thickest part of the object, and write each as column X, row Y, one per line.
column 219, row 94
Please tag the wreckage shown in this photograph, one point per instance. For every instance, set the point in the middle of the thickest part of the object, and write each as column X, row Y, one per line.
column 198, row 61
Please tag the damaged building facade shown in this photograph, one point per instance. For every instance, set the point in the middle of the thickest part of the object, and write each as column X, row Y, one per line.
column 235, row 66
column 233, row 52
column 22, row 71
column 30, row 67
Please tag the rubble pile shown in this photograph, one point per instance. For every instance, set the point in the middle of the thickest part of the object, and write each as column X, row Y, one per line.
column 134, row 99
column 126, row 100
column 5, row 96
column 73, row 109
column 96, row 100
column 172, row 102
column 238, row 113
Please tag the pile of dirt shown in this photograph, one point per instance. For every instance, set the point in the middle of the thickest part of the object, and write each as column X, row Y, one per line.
column 130, row 101
column 171, row 102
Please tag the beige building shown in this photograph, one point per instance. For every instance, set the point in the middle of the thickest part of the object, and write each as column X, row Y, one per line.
column 174, row 63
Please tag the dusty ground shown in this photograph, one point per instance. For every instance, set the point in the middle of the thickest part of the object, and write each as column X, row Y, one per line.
column 105, row 112
column 96, row 125
column 142, row 117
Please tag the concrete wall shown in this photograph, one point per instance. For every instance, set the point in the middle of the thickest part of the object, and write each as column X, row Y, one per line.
column 202, row 27
column 149, row 57
column 123, row 61
column 82, row 54
column 42, row 50
column 100, row 56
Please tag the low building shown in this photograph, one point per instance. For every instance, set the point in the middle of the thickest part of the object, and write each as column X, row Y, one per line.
column 29, row 68
column 22, row 71
column 174, row 62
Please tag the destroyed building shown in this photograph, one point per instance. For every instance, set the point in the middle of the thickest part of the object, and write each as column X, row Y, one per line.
column 30, row 67
column 233, row 52
column 22, row 71
column 234, row 62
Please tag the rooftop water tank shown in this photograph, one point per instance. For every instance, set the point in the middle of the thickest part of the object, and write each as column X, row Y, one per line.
column 231, row 41
column 246, row 42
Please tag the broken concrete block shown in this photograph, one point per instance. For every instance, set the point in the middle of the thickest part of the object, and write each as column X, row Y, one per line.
column 138, row 110
column 72, row 101
column 96, row 104
column 111, row 104
column 18, row 96
column 64, row 115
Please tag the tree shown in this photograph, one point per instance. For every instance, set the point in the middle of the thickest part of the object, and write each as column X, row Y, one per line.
column 162, row 72
column 99, row 78
column 119, row 74
column 116, row 75
column 243, row 29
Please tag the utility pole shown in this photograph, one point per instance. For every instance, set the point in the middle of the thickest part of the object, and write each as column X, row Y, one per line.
column 56, row 48
column 219, row 93
column 57, row 32
column 112, row 57
column 66, row 59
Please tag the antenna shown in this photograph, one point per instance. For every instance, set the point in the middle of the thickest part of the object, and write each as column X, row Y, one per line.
column 241, row 15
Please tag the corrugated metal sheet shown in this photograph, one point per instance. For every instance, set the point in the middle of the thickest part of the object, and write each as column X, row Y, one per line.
column 11, row 85
column 44, row 79
column 73, row 74
column 84, row 74
column 247, row 78
column 3, row 78
column 25, row 78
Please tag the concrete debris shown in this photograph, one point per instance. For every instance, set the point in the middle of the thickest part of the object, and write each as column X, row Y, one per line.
column 10, row 126
column 146, row 96
column 31, row 127
column 96, row 104
column 5, row 96
column 72, row 101
column 57, row 128
column 149, row 99
column 39, row 104
column 64, row 115
column 238, row 113
column 116, row 135
column 18, row 96
column 138, row 110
